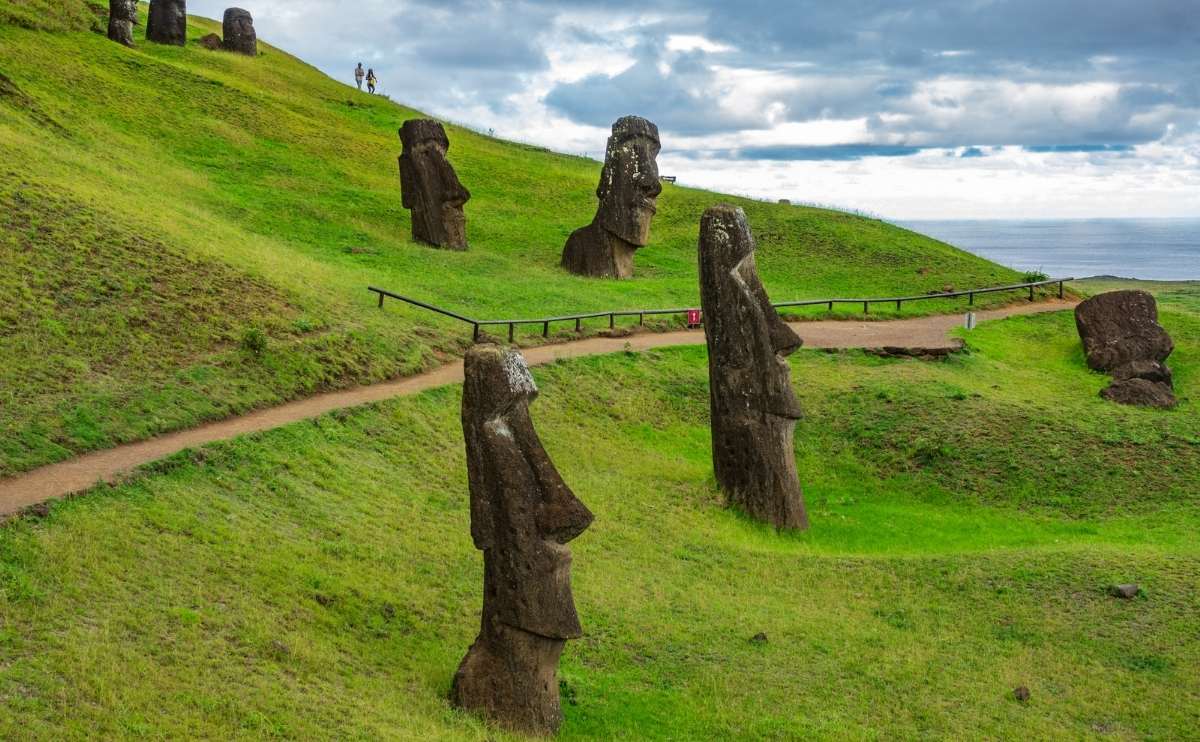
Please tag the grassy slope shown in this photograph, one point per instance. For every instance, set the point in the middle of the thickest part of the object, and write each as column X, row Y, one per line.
column 283, row 183
column 319, row 580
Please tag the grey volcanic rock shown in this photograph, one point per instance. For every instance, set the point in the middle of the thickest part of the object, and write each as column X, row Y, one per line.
column 522, row 516
column 1121, row 336
column 430, row 188
column 754, row 409
column 211, row 41
column 238, row 30
column 628, row 192
column 167, row 23
column 122, row 17
column 1125, row 592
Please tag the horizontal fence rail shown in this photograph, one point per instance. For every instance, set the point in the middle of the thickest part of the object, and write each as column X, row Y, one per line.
column 642, row 314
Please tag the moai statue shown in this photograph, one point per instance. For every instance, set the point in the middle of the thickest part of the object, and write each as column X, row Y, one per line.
column 122, row 17
column 167, row 23
column 1121, row 337
column 628, row 191
column 429, row 186
column 754, row 410
column 238, row 30
column 522, row 516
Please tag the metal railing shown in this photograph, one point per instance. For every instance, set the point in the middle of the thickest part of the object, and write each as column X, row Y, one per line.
column 642, row 314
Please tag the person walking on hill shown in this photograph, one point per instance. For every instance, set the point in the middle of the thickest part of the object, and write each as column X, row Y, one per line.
column 371, row 80
column 358, row 75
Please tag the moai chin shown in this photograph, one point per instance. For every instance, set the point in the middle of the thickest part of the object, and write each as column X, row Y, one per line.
column 754, row 409
column 628, row 193
column 430, row 188
column 238, row 30
column 522, row 516
column 167, row 22
column 122, row 17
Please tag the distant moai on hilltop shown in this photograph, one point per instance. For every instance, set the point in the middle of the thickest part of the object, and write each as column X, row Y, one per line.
column 1121, row 337
column 522, row 517
column 430, row 188
column 754, row 410
column 238, row 30
column 628, row 193
column 167, row 23
column 122, row 17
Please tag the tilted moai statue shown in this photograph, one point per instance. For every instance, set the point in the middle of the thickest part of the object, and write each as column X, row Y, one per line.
column 522, row 516
column 754, row 410
column 628, row 192
column 167, row 23
column 429, row 186
column 1121, row 336
column 238, row 30
column 122, row 17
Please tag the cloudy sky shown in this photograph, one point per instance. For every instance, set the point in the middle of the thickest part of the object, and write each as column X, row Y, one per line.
column 926, row 109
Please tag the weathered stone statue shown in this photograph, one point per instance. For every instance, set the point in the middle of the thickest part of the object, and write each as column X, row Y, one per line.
column 522, row 516
column 238, row 30
column 122, row 17
column 429, row 186
column 628, row 190
column 754, row 410
column 167, row 23
column 1121, row 336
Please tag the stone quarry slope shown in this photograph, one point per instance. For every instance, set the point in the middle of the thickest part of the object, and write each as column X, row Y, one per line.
column 188, row 235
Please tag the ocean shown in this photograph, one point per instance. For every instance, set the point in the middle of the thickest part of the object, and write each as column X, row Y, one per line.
column 1150, row 249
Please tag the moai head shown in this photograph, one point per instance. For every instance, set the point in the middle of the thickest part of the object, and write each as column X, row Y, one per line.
column 754, row 409
column 522, row 513
column 238, row 30
column 167, row 23
column 122, row 17
column 629, row 184
column 752, row 335
column 430, row 188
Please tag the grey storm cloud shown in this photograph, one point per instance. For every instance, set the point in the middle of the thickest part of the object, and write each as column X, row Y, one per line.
column 871, row 59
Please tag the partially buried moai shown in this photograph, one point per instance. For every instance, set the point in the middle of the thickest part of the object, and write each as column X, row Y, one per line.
column 238, row 30
column 122, row 17
column 628, row 193
column 430, row 188
column 522, row 516
column 754, row 410
column 1121, row 337
column 167, row 22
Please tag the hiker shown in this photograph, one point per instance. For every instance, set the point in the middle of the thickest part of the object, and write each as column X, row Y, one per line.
column 371, row 80
column 358, row 75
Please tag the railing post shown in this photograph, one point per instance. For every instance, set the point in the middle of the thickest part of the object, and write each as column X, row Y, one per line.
column 1030, row 293
column 897, row 305
column 641, row 318
column 510, row 332
column 612, row 320
column 866, row 308
column 475, row 334
column 381, row 300
column 1060, row 289
column 545, row 329
column 971, row 299
column 831, row 306
column 578, row 325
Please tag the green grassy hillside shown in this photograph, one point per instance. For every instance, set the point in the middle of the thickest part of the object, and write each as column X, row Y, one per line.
column 187, row 234
column 319, row 581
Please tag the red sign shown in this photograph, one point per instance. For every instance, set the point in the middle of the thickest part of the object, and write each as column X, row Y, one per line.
column 693, row 318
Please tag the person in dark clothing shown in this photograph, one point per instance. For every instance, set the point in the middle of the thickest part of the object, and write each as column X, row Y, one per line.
column 358, row 75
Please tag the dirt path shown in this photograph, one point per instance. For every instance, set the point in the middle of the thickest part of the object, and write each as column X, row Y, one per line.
column 75, row 475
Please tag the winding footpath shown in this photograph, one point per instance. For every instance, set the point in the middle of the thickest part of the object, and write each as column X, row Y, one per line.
column 81, row 473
